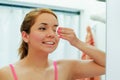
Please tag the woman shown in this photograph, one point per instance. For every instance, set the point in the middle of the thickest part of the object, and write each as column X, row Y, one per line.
column 39, row 39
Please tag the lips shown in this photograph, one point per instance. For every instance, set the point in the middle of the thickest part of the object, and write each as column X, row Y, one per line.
column 49, row 42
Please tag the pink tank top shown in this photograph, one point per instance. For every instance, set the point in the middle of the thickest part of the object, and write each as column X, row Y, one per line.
column 55, row 71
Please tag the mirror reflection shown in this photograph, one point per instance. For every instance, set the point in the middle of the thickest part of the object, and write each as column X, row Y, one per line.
column 60, row 37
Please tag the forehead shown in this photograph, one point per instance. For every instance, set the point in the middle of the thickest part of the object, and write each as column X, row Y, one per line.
column 47, row 17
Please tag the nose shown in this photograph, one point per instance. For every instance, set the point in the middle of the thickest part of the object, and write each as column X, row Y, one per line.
column 51, row 34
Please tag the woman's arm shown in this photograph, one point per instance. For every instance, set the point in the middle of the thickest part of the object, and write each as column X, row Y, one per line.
column 87, row 68
column 97, row 55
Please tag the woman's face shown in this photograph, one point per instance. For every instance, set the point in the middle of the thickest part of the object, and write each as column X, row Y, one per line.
column 43, row 35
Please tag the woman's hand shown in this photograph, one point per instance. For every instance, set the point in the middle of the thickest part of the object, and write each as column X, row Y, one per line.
column 68, row 34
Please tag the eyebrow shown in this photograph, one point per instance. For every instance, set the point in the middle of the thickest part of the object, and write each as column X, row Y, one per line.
column 56, row 25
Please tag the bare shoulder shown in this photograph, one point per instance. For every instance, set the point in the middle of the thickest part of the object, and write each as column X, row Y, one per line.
column 73, row 63
column 5, row 73
column 65, row 68
column 68, row 62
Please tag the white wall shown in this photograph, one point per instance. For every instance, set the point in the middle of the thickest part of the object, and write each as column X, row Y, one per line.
column 113, row 40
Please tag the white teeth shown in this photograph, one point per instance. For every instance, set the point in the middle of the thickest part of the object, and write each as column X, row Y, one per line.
column 49, row 42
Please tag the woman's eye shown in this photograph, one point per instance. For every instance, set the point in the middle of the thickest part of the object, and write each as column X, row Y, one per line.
column 42, row 28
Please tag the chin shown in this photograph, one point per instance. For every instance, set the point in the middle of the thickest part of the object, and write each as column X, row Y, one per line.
column 50, row 51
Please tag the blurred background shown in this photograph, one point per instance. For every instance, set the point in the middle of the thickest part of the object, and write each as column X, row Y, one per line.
column 76, row 14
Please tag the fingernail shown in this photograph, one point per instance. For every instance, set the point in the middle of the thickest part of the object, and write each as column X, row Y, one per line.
column 59, row 30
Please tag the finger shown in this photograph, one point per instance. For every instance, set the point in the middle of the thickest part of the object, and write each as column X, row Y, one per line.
column 67, row 37
column 65, row 31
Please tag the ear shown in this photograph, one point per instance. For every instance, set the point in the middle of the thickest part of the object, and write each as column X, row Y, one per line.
column 25, row 36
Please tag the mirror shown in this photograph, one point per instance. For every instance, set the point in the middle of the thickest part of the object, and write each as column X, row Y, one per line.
column 76, row 15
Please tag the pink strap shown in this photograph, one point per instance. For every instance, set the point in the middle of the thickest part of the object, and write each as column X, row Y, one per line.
column 13, row 72
column 55, row 70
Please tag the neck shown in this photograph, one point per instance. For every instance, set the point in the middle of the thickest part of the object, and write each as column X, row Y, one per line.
column 36, row 60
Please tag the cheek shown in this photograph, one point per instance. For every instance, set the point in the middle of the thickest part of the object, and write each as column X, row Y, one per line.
column 37, row 37
column 58, row 39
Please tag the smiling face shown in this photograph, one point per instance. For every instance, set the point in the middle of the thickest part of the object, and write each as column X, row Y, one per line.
column 42, row 36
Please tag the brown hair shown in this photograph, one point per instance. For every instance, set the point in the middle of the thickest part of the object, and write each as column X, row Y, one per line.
column 28, row 21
